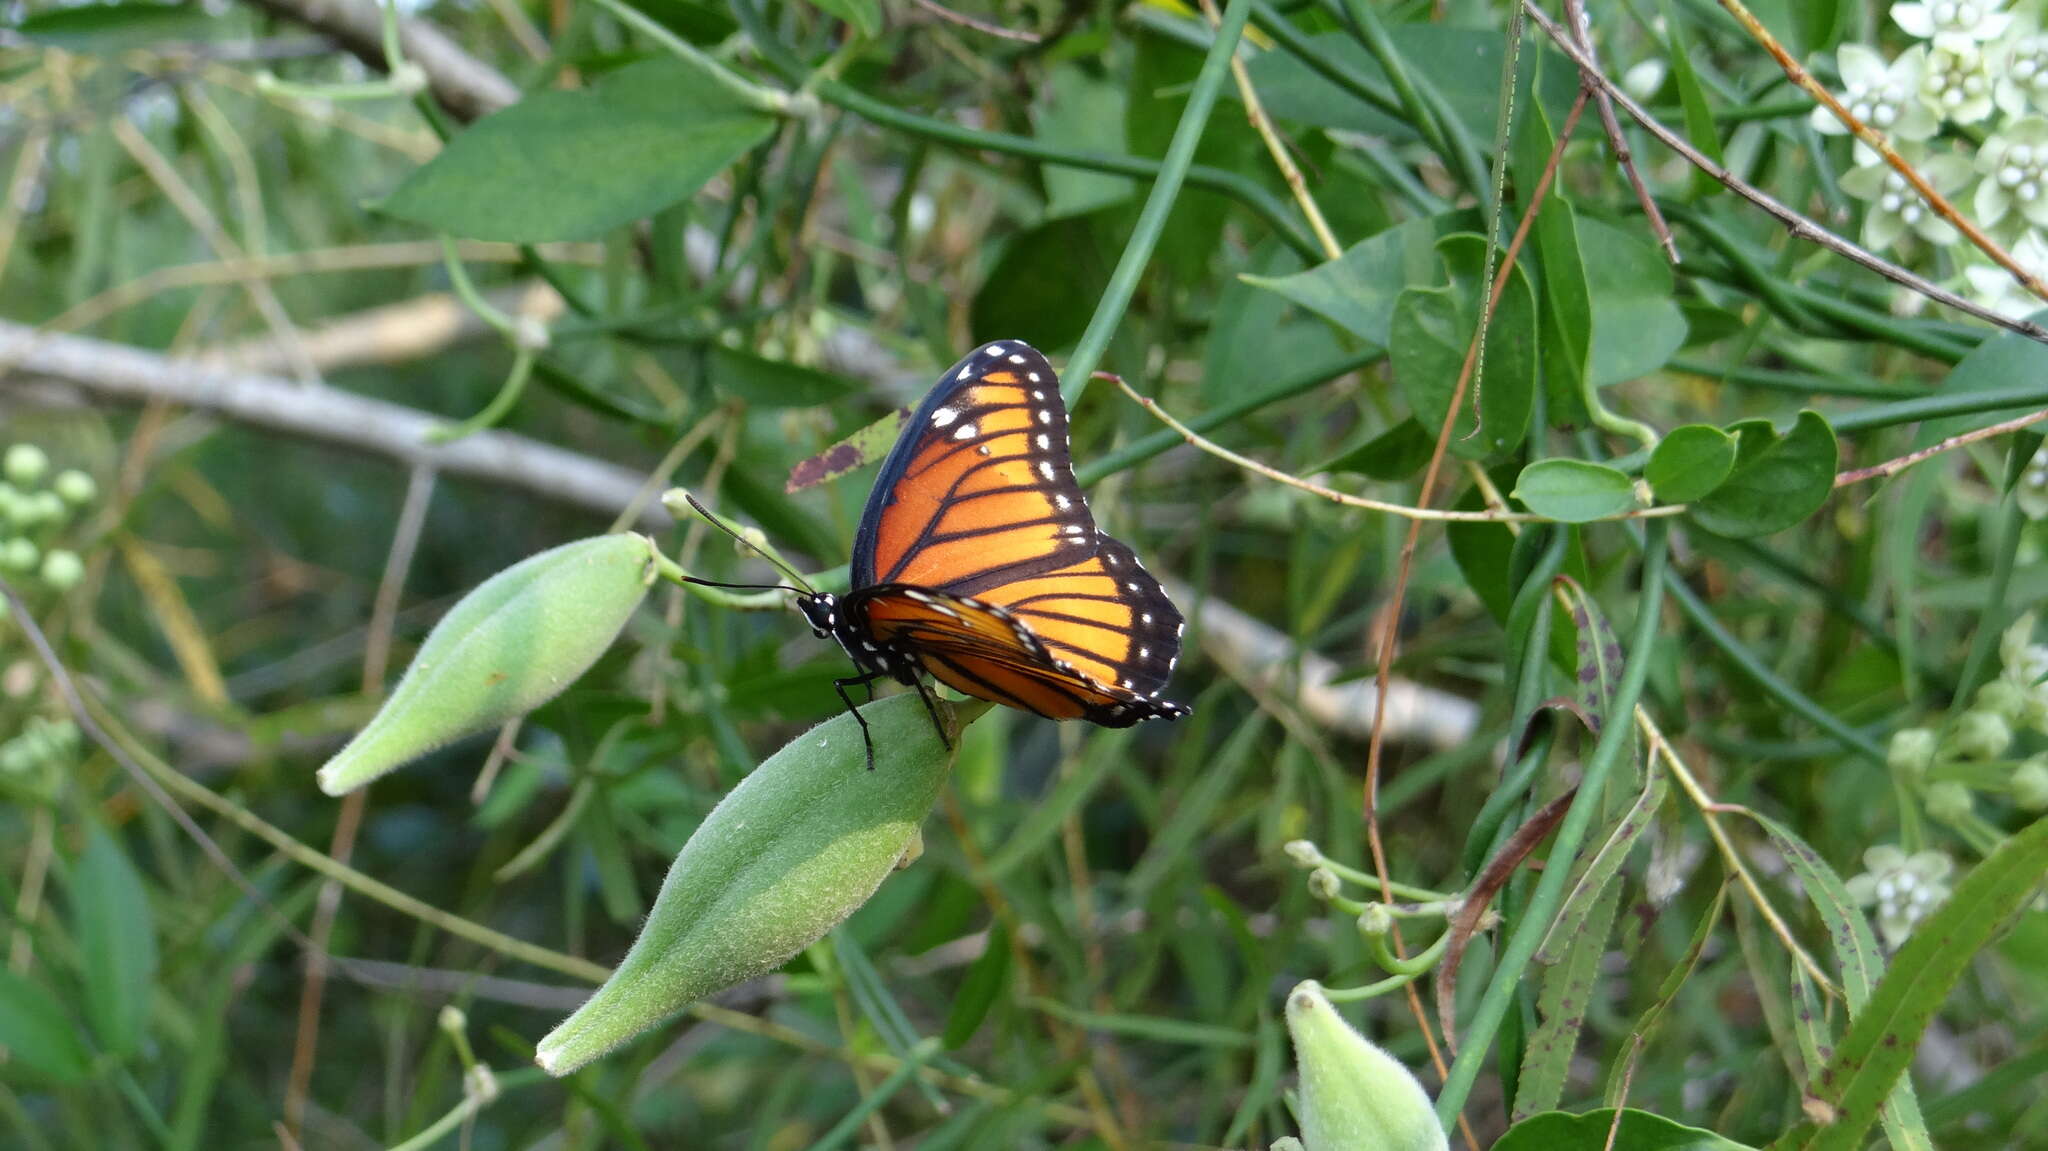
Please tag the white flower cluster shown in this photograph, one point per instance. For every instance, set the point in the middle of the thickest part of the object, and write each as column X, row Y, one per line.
column 1904, row 889
column 1980, row 69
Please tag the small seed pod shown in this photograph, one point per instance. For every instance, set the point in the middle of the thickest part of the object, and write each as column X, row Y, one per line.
column 75, row 487
column 797, row 847
column 511, row 645
column 1354, row 1095
column 25, row 465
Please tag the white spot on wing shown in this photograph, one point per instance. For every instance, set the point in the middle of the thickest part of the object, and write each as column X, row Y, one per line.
column 1146, row 618
column 1063, row 502
column 1045, row 415
column 1045, row 468
column 994, row 350
column 1033, row 376
column 1016, row 359
column 944, row 416
column 964, row 432
column 1044, row 442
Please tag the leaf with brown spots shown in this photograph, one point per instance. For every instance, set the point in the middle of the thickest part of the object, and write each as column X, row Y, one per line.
column 865, row 446
column 1464, row 923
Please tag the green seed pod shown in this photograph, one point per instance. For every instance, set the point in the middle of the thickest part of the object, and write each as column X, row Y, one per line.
column 62, row 570
column 75, row 487
column 793, row 850
column 1354, row 1095
column 511, row 645
column 44, row 508
column 25, row 465
column 2030, row 783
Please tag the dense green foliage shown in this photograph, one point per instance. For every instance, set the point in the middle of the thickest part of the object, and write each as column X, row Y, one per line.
column 310, row 328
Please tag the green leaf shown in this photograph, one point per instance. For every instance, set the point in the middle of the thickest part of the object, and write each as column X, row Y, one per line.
column 1574, row 491
column 1776, row 482
column 1357, row 290
column 1567, row 987
column 864, row 15
column 1595, row 1131
column 1874, row 1053
column 1395, row 454
column 574, row 165
column 766, row 383
column 117, row 27
column 1692, row 99
column 1080, row 111
column 1043, row 288
column 865, row 446
column 1858, row 957
column 986, row 979
column 116, row 942
column 1689, row 462
column 800, row 844
column 509, row 646
column 1437, row 327
column 1637, row 326
column 36, row 1034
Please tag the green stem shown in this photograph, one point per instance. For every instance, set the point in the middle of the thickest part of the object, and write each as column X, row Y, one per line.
column 1420, row 102
column 886, row 1089
column 1938, row 406
column 1412, row 966
column 1393, row 890
column 470, row 1105
column 1535, row 922
column 1991, row 623
column 1151, row 444
column 1752, row 664
column 754, row 95
column 500, row 405
column 1255, row 199
column 1180, row 156
column 1298, row 45
column 183, row 786
column 1420, row 964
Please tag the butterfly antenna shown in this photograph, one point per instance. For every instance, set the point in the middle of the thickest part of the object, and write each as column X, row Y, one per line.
column 718, row 521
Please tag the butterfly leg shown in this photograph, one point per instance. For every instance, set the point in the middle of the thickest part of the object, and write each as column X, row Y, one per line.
column 867, row 681
column 925, row 693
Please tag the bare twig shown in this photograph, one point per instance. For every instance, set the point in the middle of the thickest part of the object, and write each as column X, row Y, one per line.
column 983, row 26
column 1798, row 225
column 1875, row 139
column 461, row 83
column 1892, row 467
column 1581, row 28
column 1255, row 112
column 323, row 414
column 1367, row 503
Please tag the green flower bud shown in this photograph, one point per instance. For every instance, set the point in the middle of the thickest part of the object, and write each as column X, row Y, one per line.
column 1354, row 1095
column 1375, row 920
column 2030, row 784
column 794, row 849
column 1948, row 801
column 1324, row 884
column 25, row 465
column 44, row 508
column 452, row 1020
column 1911, row 751
column 19, row 555
column 62, row 570
column 1979, row 735
column 508, row 647
column 1304, row 852
column 12, row 509
column 2001, row 698
column 75, row 487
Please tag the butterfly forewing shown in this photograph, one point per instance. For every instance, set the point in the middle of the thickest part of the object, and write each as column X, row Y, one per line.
column 978, row 555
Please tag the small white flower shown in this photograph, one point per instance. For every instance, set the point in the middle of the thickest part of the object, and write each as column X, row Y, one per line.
column 1880, row 95
column 2015, row 167
column 1953, row 22
column 1956, row 83
column 2024, row 662
column 1904, row 889
column 2019, row 67
column 1994, row 287
column 1896, row 208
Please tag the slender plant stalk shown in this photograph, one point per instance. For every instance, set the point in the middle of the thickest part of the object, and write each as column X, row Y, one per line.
column 1180, row 156
column 1535, row 920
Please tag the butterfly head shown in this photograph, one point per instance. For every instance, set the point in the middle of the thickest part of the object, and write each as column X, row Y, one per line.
column 822, row 610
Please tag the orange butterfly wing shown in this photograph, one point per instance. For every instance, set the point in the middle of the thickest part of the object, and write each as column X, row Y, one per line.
column 978, row 554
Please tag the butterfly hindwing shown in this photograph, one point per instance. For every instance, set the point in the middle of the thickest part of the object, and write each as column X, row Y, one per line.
column 987, row 652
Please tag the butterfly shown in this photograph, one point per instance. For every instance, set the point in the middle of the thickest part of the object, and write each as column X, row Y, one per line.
column 978, row 564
